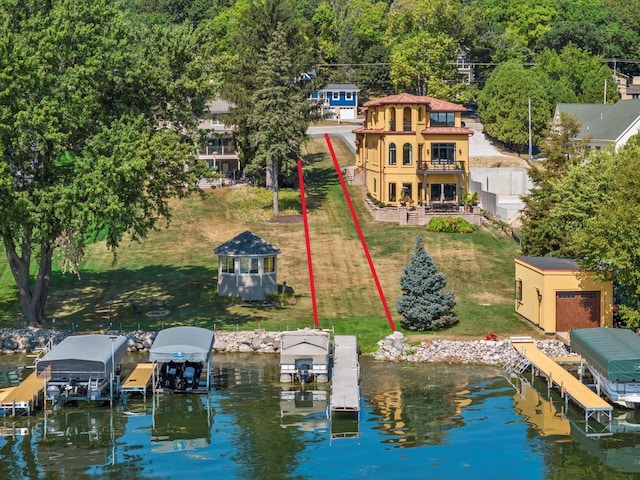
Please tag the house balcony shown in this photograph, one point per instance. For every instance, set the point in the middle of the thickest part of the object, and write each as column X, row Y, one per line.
column 440, row 167
column 216, row 152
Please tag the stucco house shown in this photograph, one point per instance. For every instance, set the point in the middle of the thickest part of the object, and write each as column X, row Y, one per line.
column 608, row 125
column 247, row 267
column 556, row 295
column 414, row 149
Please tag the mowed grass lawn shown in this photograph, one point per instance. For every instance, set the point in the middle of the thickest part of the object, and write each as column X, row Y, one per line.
column 176, row 265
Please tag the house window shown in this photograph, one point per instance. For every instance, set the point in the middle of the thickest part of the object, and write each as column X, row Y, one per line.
column 406, row 120
column 443, row 153
column 442, row 192
column 407, row 191
column 227, row 264
column 407, row 157
column 518, row 290
column 392, row 192
column 392, row 154
column 421, row 114
column 249, row 265
column 442, row 119
column 392, row 121
column 269, row 264
column 348, row 96
column 336, row 95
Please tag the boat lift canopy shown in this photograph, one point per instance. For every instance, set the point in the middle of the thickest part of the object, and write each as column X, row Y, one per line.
column 84, row 356
column 182, row 344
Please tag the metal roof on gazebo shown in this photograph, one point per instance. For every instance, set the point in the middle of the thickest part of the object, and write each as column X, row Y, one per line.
column 246, row 244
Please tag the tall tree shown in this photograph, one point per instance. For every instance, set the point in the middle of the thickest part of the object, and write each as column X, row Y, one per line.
column 279, row 118
column 249, row 27
column 543, row 233
column 503, row 104
column 93, row 121
column 425, row 304
column 609, row 241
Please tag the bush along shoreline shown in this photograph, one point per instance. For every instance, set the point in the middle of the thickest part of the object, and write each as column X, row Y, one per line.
column 395, row 347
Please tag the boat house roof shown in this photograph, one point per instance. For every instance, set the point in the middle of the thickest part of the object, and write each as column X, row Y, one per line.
column 614, row 352
column 182, row 344
column 304, row 343
column 247, row 244
column 84, row 355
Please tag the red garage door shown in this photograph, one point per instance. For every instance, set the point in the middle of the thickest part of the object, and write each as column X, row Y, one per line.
column 577, row 310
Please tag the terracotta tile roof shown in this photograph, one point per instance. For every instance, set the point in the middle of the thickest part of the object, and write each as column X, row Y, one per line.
column 368, row 130
column 433, row 104
column 447, row 131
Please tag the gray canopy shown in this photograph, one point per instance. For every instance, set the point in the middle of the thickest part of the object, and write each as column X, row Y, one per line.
column 84, row 356
column 182, row 344
column 305, row 343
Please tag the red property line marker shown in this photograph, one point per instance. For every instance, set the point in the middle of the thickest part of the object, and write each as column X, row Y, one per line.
column 305, row 221
column 360, row 234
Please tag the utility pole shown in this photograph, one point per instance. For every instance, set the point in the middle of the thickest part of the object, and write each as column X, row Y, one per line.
column 530, row 145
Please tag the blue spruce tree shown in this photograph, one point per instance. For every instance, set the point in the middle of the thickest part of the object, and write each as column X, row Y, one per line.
column 425, row 305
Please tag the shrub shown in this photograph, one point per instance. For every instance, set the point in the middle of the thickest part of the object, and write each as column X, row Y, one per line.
column 450, row 225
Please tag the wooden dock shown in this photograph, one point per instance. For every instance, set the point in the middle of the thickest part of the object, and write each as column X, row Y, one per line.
column 23, row 399
column 569, row 386
column 139, row 380
column 345, row 379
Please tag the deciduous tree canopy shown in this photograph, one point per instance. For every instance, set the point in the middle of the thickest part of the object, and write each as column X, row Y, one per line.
column 94, row 122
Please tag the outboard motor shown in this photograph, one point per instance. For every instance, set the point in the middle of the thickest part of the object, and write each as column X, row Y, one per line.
column 303, row 373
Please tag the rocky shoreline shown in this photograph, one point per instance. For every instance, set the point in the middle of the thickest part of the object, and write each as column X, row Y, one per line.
column 393, row 348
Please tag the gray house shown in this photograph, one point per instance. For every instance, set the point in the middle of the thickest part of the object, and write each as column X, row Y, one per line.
column 607, row 124
column 247, row 267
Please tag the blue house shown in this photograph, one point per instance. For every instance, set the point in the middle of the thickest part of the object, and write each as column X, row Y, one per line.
column 337, row 101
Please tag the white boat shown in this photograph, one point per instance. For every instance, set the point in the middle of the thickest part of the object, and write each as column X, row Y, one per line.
column 305, row 356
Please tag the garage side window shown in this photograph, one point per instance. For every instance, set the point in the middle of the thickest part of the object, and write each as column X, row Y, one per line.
column 518, row 290
column 228, row 264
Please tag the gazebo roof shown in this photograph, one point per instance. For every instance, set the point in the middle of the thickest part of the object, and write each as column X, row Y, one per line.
column 247, row 244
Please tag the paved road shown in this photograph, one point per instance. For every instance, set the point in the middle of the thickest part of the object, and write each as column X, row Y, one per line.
column 479, row 144
column 344, row 131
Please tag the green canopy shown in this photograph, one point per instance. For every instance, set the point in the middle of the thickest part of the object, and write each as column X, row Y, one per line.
column 613, row 352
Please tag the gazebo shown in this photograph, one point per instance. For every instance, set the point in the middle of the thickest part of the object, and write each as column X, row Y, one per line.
column 247, row 267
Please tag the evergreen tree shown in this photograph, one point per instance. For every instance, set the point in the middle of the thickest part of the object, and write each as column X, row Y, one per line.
column 424, row 304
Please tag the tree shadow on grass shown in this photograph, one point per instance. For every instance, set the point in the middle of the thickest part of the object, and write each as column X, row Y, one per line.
column 148, row 298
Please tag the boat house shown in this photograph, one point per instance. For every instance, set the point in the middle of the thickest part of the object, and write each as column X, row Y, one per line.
column 82, row 366
column 557, row 295
column 247, row 267
column 181, row 355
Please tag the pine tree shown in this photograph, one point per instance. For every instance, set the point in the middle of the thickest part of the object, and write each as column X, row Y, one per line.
column 425, row 305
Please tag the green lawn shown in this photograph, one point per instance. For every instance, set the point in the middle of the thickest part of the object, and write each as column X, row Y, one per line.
column 176, row 265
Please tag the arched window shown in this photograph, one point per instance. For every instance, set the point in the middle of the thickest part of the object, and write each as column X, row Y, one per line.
column 392, row 120
column 392, row 154
column 406, row 120
column 407, row 156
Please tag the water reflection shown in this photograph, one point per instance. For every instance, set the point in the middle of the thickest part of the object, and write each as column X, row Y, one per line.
column 417, row 421
column 181, row 422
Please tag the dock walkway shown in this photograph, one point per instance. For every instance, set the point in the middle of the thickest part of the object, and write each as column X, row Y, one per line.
column 345, row 379
column 139, row 380
column 568, row 385
column 23, row 399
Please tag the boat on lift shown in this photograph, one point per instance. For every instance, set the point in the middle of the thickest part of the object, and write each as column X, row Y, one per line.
column 305, row 356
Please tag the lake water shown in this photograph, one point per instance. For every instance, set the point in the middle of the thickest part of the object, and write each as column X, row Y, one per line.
column 417, row 421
